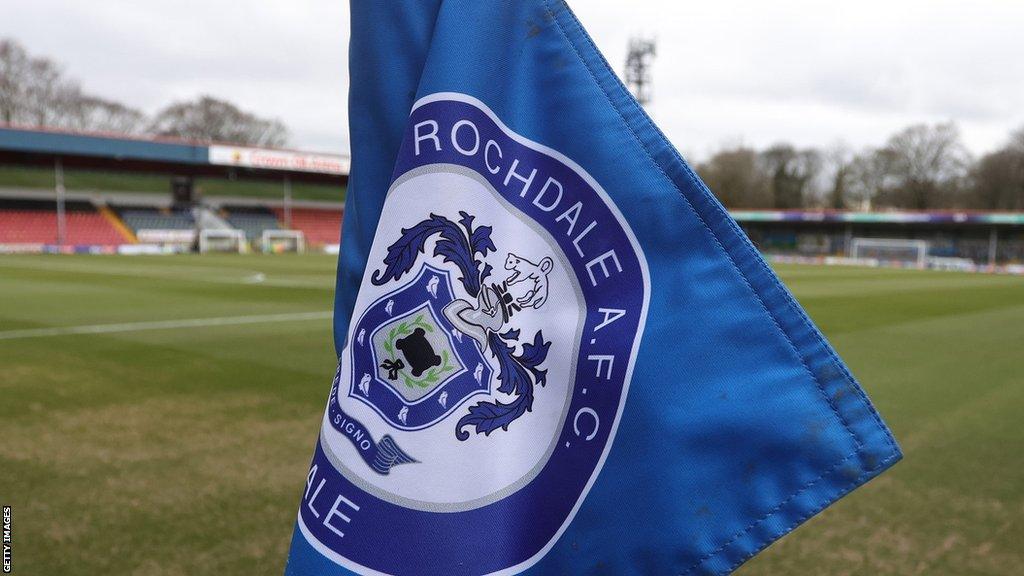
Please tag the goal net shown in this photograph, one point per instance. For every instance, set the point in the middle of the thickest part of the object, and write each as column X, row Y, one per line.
column 280, row 241
column 890, row 251
column 221, row 240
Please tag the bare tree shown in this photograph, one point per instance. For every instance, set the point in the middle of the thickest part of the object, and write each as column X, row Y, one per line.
column 14, row 71
column 998, row 178
column 929, row 164
column 210, row 119
column 45, row 90
column 82, row 112
column 791, row 173
column 870, row 178
column 735, row 176
column 1017, row 140
column 31, row 88
column 837, row 173
column 34, row 91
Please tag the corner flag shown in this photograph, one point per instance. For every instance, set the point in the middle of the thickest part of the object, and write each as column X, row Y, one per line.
column 558, row 354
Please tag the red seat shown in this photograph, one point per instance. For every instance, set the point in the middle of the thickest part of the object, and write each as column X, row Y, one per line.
column 40, row 227
column 319, row 225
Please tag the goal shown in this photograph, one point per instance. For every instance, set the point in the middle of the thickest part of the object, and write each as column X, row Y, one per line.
column 889, row 251
column 222, row 240
column 279, row 241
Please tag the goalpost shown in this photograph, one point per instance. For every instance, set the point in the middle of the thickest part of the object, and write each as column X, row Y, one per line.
column 278, row 241
column 913, row 253
column 221, row 240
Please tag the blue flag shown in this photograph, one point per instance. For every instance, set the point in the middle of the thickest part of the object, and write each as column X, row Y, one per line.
column 558, row 354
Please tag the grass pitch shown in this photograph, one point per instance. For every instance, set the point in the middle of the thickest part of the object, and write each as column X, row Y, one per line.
column 157, row 414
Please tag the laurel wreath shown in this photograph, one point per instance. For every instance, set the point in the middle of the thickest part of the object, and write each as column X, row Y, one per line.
column 404, row 329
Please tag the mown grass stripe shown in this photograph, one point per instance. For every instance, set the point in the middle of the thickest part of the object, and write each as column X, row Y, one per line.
column 162, row 325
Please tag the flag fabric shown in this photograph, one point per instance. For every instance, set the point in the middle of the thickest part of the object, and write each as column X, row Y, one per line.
column 558, row 354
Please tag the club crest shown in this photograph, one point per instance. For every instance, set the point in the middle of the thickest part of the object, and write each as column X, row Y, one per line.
column 410, row 367
column 413, row 353
column 488, row 354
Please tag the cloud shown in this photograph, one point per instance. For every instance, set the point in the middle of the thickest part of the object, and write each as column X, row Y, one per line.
column 286, row 59
column 815, row 72
column 803, row 71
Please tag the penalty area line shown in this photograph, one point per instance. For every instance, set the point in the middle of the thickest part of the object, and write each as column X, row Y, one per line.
column 162, row 325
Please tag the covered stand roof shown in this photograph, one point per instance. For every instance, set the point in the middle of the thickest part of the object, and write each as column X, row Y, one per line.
column 113, row 152
column 935, row 217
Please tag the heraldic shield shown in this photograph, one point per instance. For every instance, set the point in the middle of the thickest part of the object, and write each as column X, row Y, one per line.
column 409, row 362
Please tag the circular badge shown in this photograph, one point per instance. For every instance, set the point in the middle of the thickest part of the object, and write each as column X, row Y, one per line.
column 488, row 357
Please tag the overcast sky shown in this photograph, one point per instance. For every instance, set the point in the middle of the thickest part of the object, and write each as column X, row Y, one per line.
column 809, row 72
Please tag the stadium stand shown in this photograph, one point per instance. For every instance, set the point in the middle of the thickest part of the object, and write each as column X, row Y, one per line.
column 235, row 188
column 35, row 222
column 114, row 191
column 142, row 218
column 981, row 237
column 253, row 220
column 320, row 225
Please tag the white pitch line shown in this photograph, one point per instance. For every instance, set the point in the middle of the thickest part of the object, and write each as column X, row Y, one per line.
column 178, row 272
column 162, row 325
